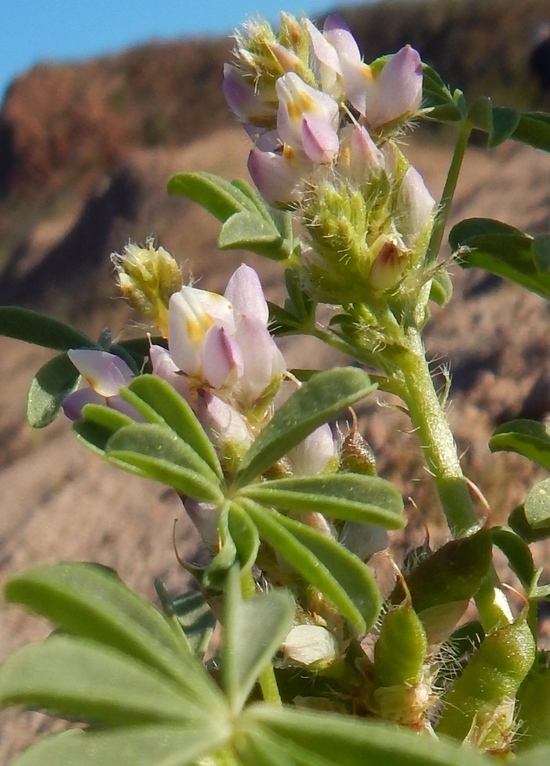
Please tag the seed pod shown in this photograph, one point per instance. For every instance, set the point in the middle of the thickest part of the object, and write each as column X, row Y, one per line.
column 401, row 692
column 442, row 584
column 479, row 706
column 356, row 456
column 534, row 707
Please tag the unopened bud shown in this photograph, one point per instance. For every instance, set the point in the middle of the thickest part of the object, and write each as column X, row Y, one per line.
column 306, row 644
column 389, row 263
column 356, row 456
column 147, row 277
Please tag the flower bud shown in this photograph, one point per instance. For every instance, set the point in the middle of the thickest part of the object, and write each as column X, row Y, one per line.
column 316, row 454
column 306, row 644
column 390, row 260
column 147, row 277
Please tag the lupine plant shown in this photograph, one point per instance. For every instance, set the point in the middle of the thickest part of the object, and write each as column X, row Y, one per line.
column 314, row 665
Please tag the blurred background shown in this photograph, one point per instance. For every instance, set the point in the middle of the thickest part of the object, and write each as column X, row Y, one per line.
column 101, row 103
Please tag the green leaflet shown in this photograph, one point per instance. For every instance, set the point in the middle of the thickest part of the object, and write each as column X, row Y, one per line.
column 328, row 566
column 217, row 195
column 90, row 601
column 156, row 452
column 247, row 222
column 83, row 679
column 532, row 129
column 367, row 499
column 537, row 506
column 439, row 101
column 323, row 739
column 176, row 745
column 254, row 628
column 319, row 400
column 518, row 522
column 517, row 552
column 52, row 383
column 499, row 124
column 32, row 327
column 502, row 250
column 159, row 403
column 526, row 437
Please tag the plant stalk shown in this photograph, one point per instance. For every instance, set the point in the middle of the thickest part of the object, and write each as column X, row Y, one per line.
column 434, row 245
column 439, row 447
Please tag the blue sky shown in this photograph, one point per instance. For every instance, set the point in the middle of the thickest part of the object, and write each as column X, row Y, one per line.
column 39, row 30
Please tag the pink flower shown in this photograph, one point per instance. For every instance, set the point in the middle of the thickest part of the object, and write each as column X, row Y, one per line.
column 221, row 343
column 307, row 119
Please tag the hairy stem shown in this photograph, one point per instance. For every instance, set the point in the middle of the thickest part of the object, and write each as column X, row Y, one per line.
column 437, row 441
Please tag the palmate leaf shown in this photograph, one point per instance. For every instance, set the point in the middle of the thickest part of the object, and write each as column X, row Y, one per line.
column 92, row 602
column 367, row 499
column 526, row 437
column 502, row 250
column 319, row 400
column 41, row 330
column 253, row 631
column 272, row 737
column 162, row 745
column 51, row 384
column 194, row 616
column 328, row 566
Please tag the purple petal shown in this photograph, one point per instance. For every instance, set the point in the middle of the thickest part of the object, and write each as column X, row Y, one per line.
column 399, row 88
column 416, row 205
column 104, row 372
column 222, row 423
column 205, row 518
column 319, row 140
column 263, row 362
column 275, row 177
column 74, row 403
column 298, row 100
column 244, row 292
column 323, row 50
column 339, row 35
column 242, row 99
column 222, row 362
column 192, row 313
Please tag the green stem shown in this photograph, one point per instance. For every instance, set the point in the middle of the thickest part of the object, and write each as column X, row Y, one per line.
column 267, row 680
column 435, row 436
column 434, row 245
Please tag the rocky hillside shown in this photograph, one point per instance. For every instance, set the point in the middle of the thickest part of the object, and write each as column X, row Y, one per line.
column 83, row 174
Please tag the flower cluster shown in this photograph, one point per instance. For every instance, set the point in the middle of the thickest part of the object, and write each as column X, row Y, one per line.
column 323, row 124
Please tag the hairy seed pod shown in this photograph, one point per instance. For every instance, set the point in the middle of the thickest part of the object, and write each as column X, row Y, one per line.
column 442, row 584
column 401, row 692
column 534, row 707
column 356, row 456
column 479, row 706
